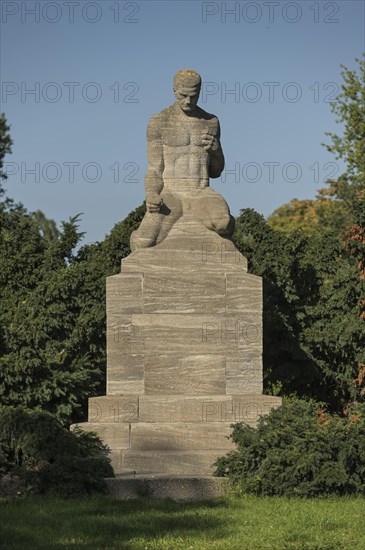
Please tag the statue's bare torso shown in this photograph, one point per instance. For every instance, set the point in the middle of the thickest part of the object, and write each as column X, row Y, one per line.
column 185, row 160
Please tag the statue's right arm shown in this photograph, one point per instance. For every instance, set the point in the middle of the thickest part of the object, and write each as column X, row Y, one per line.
column 153, row 178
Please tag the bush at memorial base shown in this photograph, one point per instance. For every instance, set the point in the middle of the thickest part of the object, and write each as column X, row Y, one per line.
column 299, row 449
column 45, row 458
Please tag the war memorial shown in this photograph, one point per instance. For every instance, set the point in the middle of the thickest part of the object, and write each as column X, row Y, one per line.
column 184, row 317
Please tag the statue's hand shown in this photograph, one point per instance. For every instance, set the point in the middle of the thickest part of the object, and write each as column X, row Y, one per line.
column 210, row 142
column 154, row 202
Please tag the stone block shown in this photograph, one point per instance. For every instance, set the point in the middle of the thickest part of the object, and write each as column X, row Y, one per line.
column 171, row 436
column 244, row 294
column 171, row 408
column 193, row 334
column 121, row 333
column 124, row 294
column 123, row 387
column 184, row 374
column 118, row 409
column 116, row 436
column 182, row 293
column 126, row 366
column 245, row 408
column 244, row 374
column 199, row 248
column 167, row 462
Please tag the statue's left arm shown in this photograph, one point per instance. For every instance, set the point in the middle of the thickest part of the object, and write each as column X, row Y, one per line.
column 212, row 144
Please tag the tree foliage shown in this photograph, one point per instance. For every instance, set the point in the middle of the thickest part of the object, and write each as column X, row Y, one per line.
column 350, row 187
column 313, row 336
column 5, row 143
column 52, row 319
column 299, row 450
column 49, row 459
column 330, row 318
column 349, row 107
column 53, row 316
column 311, row 216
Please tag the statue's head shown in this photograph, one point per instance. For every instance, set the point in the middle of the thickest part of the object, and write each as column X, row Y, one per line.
column 187, row 84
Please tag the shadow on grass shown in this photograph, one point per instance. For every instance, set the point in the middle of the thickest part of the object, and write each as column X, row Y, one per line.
column 102, row 523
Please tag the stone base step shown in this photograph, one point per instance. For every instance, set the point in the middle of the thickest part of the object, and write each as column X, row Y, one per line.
column 175, row 435
column 163, row 436
column 177, row 488
column 246, row 407
column 160, row 462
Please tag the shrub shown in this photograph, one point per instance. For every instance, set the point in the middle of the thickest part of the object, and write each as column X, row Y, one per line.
column 35, row 447
column 299, row 450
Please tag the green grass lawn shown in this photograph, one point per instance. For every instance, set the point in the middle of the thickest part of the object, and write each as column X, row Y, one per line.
column 242, row 523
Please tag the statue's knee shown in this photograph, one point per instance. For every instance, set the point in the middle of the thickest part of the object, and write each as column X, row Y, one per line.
column 230, row 226
column 224, row 224
column 137, row 241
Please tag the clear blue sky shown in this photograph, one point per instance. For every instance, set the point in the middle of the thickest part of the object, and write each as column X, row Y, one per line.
column 101, row 69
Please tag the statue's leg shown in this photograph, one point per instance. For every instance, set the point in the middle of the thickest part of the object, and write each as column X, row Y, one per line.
column 211, row 210
column 171, row 211
column 147, row 233
column 155, row 226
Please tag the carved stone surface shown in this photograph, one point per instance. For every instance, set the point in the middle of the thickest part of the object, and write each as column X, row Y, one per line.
column 184, row 318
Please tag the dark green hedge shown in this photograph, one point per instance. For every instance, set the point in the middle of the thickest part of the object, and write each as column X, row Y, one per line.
column 49, row 459
column 299, row 450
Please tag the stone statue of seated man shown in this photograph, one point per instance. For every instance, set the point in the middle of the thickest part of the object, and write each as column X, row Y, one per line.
column 184, row 151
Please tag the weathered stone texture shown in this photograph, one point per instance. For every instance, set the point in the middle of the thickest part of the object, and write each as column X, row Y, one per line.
column 167, row 374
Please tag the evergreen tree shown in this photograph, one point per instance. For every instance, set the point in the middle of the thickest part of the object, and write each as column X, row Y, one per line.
column 313, row 337
column 5, row 143
column 52, row 319
column 350, row 187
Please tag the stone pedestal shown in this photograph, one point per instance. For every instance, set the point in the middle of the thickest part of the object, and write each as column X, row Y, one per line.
column 184, row 355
